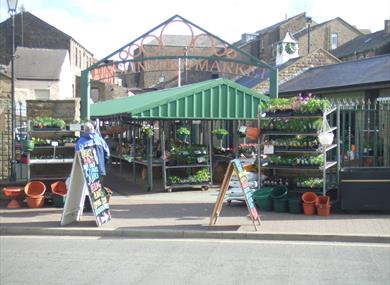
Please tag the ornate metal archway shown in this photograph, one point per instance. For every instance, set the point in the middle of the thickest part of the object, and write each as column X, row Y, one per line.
column 160, row 59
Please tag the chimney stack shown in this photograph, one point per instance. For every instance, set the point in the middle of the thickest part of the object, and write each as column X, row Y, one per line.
column 387, row 26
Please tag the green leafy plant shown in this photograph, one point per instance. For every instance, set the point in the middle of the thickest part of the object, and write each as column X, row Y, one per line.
column 220, row 132
column 147, row 131
column 202, row 175
column 48, row 122
column 183, row 131
column 174, row 179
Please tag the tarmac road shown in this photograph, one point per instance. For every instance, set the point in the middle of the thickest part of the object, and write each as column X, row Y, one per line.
column 81, row 260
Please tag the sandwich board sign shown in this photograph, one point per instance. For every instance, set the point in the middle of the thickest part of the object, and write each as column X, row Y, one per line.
column 236, row 167
column 85, row 180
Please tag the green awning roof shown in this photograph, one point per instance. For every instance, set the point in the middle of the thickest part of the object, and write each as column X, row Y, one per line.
column 218, row 99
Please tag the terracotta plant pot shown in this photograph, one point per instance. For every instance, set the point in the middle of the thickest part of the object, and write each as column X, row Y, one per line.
column 309, row 209
column 14, row 193
column 323, row 200
column 252, row 133
column 35, row 189
column 35, row 202
column 323, row 209
column 309, row 198
column 59, row 188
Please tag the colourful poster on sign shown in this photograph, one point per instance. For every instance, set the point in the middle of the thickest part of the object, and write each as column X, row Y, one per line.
column 97, row 193
column 235, row 166
column 243, row 179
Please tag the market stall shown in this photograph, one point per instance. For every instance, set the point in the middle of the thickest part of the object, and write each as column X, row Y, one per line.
column 153, row 120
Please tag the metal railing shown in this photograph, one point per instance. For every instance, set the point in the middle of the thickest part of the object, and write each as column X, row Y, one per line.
column 365, row 132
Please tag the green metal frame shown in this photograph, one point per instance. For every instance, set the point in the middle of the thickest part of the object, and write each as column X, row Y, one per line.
column 85, row 76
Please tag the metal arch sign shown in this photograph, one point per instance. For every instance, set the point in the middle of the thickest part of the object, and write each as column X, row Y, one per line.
column 157, row 52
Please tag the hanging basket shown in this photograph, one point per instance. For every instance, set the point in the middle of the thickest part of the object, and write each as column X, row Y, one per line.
column 182, row 137
column 326, row 138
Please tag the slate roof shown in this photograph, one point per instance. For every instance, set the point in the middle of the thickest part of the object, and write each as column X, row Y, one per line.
column 342, row 75
column 277, row 25
column 260, row 76
column 363, row 43
column 314, row 27
column 270, row 28
column 39, row 64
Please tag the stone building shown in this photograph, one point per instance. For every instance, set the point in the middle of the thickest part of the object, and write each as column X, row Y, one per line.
column 369, row 45
column 262, row 44
column 167, row 70
column 328, row 35
column 42, row 74
column 32, row 32
column 296, row 66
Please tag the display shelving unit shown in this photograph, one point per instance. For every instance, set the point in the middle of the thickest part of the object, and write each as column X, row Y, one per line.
column 288, row 171
column 204, row 185
column 50, row 162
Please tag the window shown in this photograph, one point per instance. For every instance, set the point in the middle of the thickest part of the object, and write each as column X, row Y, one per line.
column 42, row 94
column 333, row 41
column 76, row 57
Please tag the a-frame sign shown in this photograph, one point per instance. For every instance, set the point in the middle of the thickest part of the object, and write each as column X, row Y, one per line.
column 235, row 166
column 85, row 180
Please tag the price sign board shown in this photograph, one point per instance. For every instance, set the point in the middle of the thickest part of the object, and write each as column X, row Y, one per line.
column 85, row 179
column 236, row 167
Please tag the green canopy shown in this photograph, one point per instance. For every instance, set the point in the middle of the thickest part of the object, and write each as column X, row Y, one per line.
column 218, row 99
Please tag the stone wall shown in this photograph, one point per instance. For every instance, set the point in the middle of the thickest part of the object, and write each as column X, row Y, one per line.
column 319, row 57
column 68, row 110
column 320, row 37
column 5, row 126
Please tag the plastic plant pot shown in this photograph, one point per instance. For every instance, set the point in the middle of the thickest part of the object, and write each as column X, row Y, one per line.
column 279, row 192
column 263, row 199
column 280, row 205
column 295, row 205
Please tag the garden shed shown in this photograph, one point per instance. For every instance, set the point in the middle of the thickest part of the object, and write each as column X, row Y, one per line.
column 201, row 107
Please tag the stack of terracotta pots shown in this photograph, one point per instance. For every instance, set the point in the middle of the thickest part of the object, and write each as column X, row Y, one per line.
column 323, row 206
column 309, row 200
column 35, row 191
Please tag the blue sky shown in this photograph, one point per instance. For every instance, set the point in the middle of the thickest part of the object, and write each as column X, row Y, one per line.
column 104, row 26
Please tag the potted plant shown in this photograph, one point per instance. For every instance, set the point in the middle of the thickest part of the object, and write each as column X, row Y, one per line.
column 147, row 131
column 48, row 123
column 202, row 175
column 182, row 133
column 220, row 133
